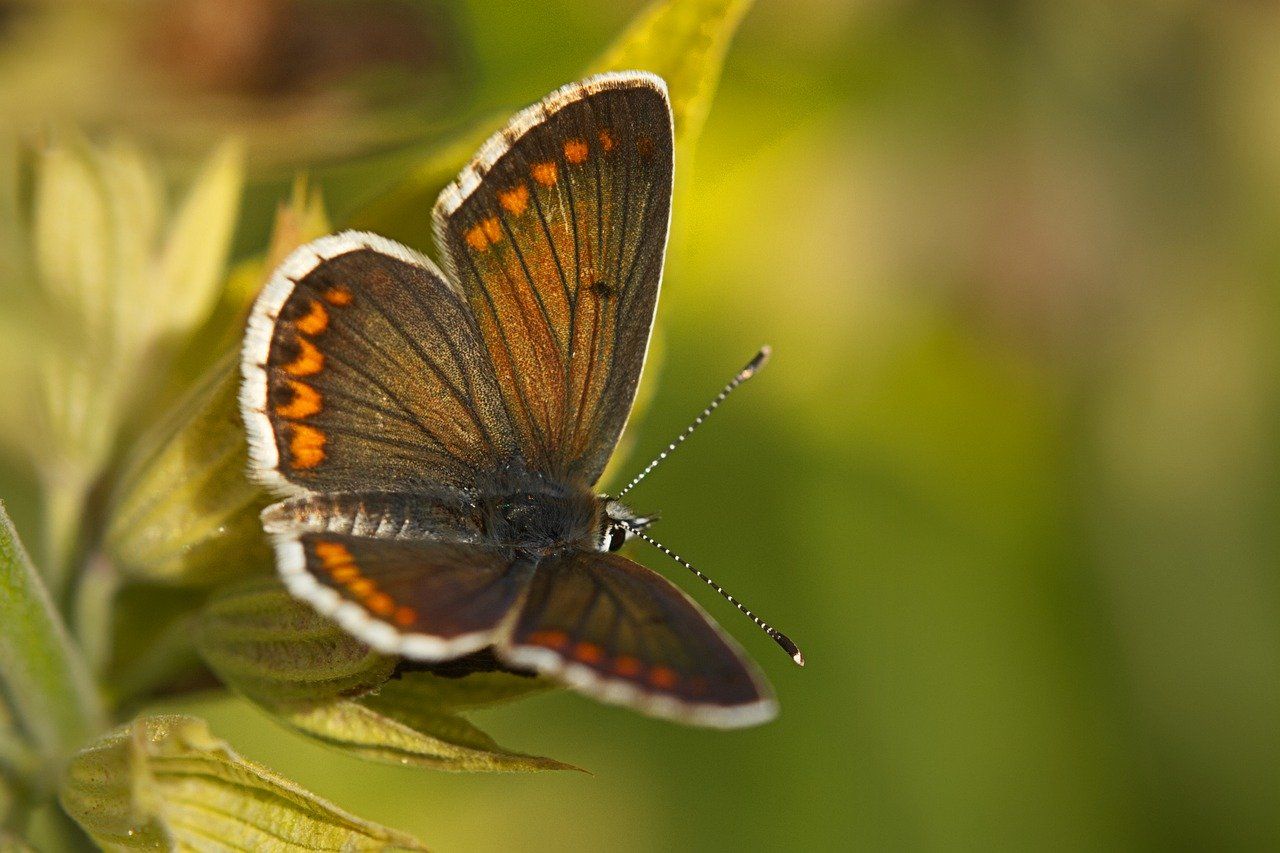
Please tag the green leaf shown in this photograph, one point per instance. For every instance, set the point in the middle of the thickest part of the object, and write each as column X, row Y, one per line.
column 682, row 41
column 318, row 680
column 194, row 256
column 275, row 649
column 185, row 513
column 166, row 782
column 44, row 677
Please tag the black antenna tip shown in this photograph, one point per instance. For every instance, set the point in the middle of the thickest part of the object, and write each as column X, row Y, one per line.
column 788, row 647
column 756, row 363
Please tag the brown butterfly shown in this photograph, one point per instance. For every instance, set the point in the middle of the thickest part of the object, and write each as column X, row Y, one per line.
column 438, row 433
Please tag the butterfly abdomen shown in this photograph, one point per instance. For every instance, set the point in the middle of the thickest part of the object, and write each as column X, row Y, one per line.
column 446, row 515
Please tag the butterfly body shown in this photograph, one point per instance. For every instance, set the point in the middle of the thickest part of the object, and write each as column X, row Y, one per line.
column 437, row 433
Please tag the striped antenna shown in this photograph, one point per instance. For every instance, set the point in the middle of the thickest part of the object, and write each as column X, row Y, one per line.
column 746, row 373
column 777, row 636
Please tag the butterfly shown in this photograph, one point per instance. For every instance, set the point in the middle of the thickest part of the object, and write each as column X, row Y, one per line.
column 437, row 432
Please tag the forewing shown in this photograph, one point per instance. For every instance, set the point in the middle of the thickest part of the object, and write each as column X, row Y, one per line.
column 364, row 369
column 420, row 598
column 617, row 631
column 556, row 234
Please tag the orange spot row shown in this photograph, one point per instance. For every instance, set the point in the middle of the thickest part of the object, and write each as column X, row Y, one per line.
column 625, row 666
column 341, row 566
column 607, row 142
column 305, row 403
column 306, row 445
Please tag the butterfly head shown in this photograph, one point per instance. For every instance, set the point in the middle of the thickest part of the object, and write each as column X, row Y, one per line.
column 620, row 523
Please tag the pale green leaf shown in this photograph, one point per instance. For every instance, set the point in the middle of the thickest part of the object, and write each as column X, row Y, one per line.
column 134, row 199
column 166, row 782
column 393, row 733
column 317, row 679
column 194, row 256
column 185, row 512
column 42, row 674
column 73, row 236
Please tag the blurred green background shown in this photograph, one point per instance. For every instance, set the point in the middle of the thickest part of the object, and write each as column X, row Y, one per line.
column 1011, row 478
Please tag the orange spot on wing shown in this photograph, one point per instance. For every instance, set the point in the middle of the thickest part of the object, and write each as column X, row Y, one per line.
column 551, row 638
column 662, row 677
column 380, row 603
column 344, row 572
column 514, row 200
column 361, row 588
column 337, row 561
column 305, row 403
column 627, row 666
column 607, row 142
column 588, row 652
column 332, row 552
column 544, row 173
column 476, row 239
column 315, row 321
column 576, row 151
column 306, row 445
column 309, row 361
column 492, row 229
column 645, row 145
column 405, row 616
column 338, row 295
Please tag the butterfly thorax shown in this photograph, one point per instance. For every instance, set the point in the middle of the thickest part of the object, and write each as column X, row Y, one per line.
column 543, row 521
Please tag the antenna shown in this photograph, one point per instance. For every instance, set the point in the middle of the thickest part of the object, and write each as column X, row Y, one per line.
column 778, row 637
column 743, row 375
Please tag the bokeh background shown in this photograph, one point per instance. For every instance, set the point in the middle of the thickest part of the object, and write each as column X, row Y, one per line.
column 1011, row 479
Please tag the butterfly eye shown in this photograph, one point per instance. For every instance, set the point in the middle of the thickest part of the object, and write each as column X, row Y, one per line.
column 616, row 537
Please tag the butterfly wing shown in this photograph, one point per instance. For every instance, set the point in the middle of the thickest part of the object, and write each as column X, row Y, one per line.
column 615, row 630
column 422, row 598
column 364, row 369
column 556, row 234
